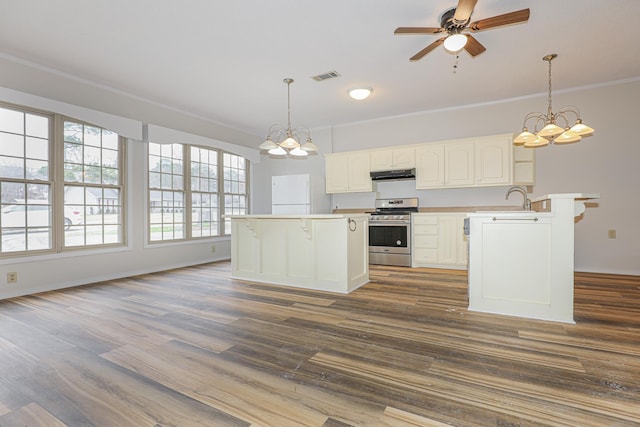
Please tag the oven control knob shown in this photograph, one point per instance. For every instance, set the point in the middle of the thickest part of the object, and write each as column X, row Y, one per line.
column 398, row 242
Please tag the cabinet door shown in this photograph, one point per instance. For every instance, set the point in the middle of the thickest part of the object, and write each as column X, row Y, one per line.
column 404, row 158
column 448, row 239
column 358, row 171
column 337, row 173
column 492, row 161
column 381, row 160
column 430, row 166
column 459, row 164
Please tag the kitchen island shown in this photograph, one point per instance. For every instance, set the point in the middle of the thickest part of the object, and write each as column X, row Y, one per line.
column 521, row 263
column 324, row 252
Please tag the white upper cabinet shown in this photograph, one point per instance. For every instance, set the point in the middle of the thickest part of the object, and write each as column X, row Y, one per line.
column 493, row 161
column 459, row 164
column 348, row 172
column 472, row 162
column 430, row 166
column 392, row 159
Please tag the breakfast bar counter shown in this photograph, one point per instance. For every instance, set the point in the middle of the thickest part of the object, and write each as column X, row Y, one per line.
column 325, row 252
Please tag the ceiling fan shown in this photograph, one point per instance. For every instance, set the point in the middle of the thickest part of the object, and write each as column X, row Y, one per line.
column 455, row 23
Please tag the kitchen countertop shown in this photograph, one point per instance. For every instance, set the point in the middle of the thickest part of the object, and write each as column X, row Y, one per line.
column 461, row 209
column 311, row 216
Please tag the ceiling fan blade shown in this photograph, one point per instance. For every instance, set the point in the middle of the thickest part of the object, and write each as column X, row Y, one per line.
column 464, row 11
column 500, row 20
column 473, row 46
column 427, row 49
column 418, row 30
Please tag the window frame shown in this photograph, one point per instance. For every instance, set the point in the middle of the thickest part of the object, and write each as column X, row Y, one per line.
column 188, row 193
column 121, row 185
column 56, row 183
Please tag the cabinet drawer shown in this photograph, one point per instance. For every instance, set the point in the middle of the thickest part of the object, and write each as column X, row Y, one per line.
column 425, row 219
column 426, row 256
column 425, row 229
column 422, row 241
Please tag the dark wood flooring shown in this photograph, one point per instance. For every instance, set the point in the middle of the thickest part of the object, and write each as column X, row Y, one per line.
column 191, row 347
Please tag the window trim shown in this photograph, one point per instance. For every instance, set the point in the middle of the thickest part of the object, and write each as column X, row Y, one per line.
column 186, row 168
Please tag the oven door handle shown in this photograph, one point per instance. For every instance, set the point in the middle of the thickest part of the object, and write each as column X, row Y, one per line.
column 387, row 223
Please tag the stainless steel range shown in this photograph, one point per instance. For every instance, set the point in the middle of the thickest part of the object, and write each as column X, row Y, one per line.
column 390, row 232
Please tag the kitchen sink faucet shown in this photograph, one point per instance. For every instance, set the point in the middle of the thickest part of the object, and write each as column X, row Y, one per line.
column 526, row 204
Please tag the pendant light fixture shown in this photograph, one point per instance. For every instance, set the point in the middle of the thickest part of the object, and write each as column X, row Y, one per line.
column 283, row 141
column 550, row 131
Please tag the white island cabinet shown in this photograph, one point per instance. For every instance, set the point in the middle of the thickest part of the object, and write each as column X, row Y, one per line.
column 521, row 262
column 323, row 252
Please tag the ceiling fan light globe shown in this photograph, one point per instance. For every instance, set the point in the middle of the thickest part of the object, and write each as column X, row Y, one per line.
column 455, row 42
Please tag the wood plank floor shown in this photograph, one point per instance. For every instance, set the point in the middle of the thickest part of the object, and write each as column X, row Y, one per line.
column 191, row 347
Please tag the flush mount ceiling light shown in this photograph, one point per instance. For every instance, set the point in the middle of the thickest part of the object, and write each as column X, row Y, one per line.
column 550, row 131
column 282, row 141
column 360, row 93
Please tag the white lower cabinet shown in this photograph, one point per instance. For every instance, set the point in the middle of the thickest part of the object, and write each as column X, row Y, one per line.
column 438, row 240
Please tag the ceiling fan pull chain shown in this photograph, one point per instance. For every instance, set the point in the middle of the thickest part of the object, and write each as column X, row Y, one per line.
column 455, row 64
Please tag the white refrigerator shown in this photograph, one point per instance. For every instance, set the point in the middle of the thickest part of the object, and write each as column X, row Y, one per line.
column 301, row 194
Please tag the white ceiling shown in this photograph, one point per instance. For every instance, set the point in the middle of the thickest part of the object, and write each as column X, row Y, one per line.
column 225, row 60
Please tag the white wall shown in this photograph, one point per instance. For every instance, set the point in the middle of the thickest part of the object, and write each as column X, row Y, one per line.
column 605, row 163
column 55, row 271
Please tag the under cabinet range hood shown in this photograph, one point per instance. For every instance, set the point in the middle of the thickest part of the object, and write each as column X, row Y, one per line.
column 393, row 175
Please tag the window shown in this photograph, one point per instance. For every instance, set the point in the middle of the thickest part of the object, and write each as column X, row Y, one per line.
column 204, row 192
column 26, row 219
column 92, row 186
column 172, row 186
column 167, row 192
column 235, row 187
column 41, row 212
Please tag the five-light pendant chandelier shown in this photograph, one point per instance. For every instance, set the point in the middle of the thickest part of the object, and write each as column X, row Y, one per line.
column 283, row 141
column 550, row 131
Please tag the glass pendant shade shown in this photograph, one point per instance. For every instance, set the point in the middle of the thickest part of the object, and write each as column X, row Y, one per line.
column 309, row 146
column 268, row 144
column 567, row 137
column 289, row 143
column 524, row 137
column 581, row 129
column 455, row 42
column 537, row 142
column 278, row 151
column 551, row 129
column 298, row 152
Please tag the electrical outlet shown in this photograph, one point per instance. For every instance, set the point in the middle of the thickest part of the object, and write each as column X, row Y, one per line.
column 12, row 277
column 611, row 234
column 213, row 248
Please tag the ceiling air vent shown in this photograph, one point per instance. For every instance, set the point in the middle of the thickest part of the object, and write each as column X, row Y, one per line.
column 326, row 76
